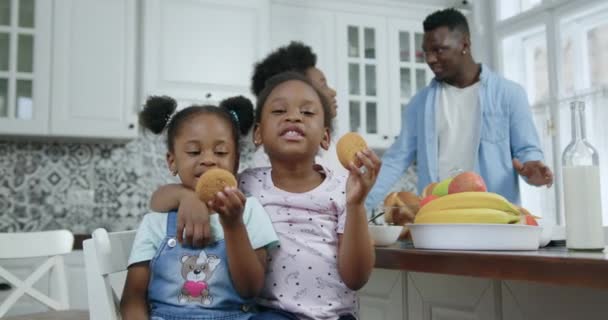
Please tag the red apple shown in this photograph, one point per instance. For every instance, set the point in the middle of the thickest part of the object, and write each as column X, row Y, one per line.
column 467, row 182
column 427, row 199
column 527, row 220
column 531, row 221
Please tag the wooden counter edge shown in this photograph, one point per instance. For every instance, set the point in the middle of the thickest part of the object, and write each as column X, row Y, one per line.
column 591, row 273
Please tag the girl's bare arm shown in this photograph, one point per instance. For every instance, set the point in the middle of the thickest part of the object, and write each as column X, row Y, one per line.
column 134, row 302
column 356, row 255
column 168, row 197
column 192, row 214
column 247, row 266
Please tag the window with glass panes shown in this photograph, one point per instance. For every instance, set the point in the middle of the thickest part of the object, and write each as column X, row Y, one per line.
column 17, row 30
column 572, row 36
column 413, row 70
column 362, row 67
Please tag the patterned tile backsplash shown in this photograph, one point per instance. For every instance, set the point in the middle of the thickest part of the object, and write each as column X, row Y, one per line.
column 46, row 185
column 39, row 183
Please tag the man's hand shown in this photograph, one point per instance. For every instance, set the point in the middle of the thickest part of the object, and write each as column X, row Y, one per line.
column 535, row 172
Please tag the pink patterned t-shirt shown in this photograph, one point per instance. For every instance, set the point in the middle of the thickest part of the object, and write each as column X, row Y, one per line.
column 302, row 274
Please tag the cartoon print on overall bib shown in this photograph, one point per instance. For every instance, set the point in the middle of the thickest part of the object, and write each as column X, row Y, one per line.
column 193, row 283
column 196, row 271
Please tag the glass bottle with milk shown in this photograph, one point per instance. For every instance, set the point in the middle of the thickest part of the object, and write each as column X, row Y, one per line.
column 581, row 177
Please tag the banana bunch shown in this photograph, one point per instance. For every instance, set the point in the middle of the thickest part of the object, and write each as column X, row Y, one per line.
column 469, row 207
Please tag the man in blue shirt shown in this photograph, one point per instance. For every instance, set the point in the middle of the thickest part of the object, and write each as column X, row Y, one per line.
column 468, row 118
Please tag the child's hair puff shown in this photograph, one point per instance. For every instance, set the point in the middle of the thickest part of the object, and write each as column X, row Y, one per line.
column 296, row 57
column 159, row 114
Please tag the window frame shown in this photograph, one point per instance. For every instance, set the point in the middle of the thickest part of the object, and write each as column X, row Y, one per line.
column 550, row 14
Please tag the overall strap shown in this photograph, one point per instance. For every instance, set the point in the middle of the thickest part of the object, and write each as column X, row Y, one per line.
column 171, row 223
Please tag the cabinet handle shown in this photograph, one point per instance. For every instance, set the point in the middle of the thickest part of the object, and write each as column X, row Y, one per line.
column 396, row 137
column 208, row 95
column 131, row 126
column 385, row 137
column 5, row 287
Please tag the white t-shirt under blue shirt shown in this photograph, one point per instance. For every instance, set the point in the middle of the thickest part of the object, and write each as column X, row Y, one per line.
column 458, row 120
column 153, row 229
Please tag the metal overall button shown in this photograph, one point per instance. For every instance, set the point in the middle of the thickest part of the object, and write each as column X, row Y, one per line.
column 171, row 242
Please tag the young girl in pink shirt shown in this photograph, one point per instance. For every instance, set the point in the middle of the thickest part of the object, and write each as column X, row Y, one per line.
column 325, row 252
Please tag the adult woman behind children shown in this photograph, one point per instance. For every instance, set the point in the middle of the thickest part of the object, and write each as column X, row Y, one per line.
column 295, row 57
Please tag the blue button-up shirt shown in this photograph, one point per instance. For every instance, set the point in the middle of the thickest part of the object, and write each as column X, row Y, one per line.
column 507, row 131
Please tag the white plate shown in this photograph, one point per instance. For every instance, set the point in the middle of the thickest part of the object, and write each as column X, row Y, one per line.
column 475, row 236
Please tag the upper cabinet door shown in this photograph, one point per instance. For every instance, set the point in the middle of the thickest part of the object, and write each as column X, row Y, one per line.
column 202, row 50
column 408, row 71
column 94, row 67
column 314, row 27
column 362, row 67
column 25, row 38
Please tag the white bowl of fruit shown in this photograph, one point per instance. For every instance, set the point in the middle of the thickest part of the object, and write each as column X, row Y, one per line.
column 459, row 213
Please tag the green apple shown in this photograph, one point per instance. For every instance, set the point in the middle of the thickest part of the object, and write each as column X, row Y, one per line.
column 441, row 189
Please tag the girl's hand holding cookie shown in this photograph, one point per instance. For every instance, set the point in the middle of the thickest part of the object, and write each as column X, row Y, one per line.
column 363, row 164
column 229, row 204
column 362, row 178
column 217, row 187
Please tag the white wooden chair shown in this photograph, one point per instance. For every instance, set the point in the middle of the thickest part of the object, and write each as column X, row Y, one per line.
column 46, row 244
column 105, row 257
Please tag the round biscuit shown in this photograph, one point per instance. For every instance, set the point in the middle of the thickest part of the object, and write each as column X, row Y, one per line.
column 348, row 146
column 212, row 182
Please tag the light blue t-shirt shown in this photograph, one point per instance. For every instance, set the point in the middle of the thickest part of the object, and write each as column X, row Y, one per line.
column 153, row 230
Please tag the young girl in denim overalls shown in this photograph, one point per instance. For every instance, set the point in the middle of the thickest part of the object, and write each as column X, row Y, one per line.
column 167, row 280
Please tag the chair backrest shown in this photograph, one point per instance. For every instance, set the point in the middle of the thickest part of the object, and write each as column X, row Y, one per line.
column 49, row 244
column 105, row 256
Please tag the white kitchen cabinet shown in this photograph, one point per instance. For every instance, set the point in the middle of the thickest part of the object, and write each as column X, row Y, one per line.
column 70, row 70
column 437, row 297
column 395, row 73
column 25, row 47
column 202, row 50
column 525, row 300
column 313, row 26
column 408, row 71
column 363, row 64
column 392, row 294
column 383, row 296
column 370, row 53
column 381, row 66
column 94, row 65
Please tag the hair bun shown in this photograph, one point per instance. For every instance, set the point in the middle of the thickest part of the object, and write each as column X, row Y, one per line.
column 241, row 111
column 157, row 112
column 236, row 102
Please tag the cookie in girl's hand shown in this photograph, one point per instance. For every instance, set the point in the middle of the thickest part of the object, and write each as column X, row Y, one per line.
column 347, row 148
column 212, row 182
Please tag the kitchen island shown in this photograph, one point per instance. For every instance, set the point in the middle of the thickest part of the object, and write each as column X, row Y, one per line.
column 551, row 283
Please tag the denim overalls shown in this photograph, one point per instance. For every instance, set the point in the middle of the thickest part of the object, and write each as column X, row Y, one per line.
column 193, row 284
